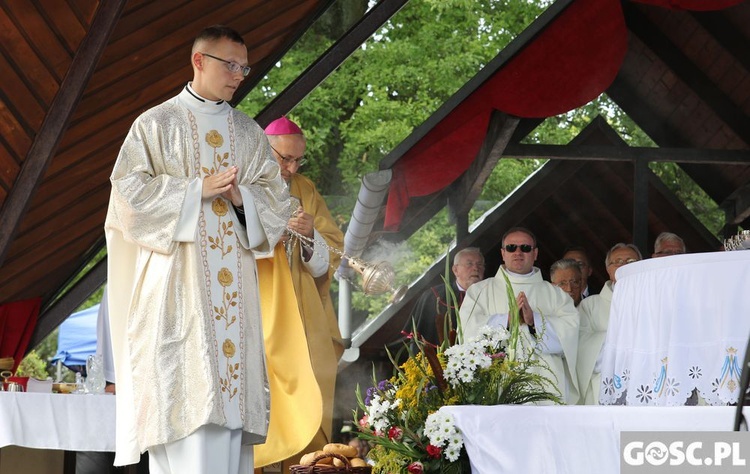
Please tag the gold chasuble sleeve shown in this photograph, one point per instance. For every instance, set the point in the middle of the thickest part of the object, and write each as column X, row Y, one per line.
column 296, row 404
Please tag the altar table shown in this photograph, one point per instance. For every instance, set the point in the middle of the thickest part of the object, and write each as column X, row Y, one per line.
column 678, row 324
column 569, row 439
column 68, row 422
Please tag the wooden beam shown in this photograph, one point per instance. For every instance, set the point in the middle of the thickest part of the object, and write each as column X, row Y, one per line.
column 329, row 61
column 261, row 69
column 658, row 186
column 640, row 205
column 687, row 71
column 56, row 121
column 611, row 153
column 737, row 205
column 64, row 307
column 643, row 114
column 728, row 36
column 466, row 189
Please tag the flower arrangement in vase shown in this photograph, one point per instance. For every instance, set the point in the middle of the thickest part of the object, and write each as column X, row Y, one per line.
column 401, row 417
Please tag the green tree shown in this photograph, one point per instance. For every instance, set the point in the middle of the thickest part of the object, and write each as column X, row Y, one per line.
column 396, row 80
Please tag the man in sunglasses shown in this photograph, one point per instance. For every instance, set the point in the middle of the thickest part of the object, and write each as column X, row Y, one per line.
column 547, row 315
column 305, row 257
column 194, row 196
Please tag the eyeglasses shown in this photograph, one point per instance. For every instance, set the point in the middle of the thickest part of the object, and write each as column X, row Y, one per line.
column 525, row 248
column 231, row 65
column 289, row 160
column 472, row 264
column 571, row 283
column 669, row 252
column 620, row 262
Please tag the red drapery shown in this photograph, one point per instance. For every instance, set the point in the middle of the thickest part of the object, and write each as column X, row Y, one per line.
column 697, row 5
column 569, row 63
column 17, row 322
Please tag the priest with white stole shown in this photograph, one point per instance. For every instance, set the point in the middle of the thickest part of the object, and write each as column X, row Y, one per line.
column 548, row 317
column 594, row 322
column 195, row 192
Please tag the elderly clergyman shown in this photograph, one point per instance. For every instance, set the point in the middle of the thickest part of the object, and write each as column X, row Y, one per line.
column 594, row 312
column 566, row 274
column 667, row 244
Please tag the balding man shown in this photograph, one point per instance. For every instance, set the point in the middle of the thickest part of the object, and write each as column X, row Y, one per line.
column 667, row 244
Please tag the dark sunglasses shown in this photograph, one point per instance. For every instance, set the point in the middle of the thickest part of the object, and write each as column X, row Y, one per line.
column 525, row 248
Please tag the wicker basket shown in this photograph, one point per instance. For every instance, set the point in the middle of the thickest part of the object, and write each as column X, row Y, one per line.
column 329, row 468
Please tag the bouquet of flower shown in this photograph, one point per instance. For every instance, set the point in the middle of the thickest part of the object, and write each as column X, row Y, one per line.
column 401, row 417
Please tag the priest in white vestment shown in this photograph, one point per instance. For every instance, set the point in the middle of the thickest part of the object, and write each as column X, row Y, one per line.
column 594, row 312
column 195, row 191
column 549, row 320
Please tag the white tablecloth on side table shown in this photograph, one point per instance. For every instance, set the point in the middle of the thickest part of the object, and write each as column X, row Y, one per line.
column 677, row 324
column 569, row 439
column 56, row 421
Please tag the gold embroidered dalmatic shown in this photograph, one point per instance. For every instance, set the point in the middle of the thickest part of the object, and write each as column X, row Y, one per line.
column 183, row 295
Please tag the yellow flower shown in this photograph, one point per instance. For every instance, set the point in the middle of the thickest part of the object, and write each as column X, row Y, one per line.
column 228, row 348
column 214, row 139
column 219, row 206
column 225, row 277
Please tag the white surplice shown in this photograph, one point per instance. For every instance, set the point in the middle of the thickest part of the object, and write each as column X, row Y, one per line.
column 486, row 302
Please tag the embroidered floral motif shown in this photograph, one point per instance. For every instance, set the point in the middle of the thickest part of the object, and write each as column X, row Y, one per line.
column 609, row 386
column 626, row 375
column 231, row 371
column 228, row 299
column 215, row 140
column 228, row 348
column 672, row 387
column 220, row 208
column 715, row 385
column 695, row 372
column 225, row 277
column 644, row 394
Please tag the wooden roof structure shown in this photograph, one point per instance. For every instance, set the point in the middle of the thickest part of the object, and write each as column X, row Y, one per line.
column 684, row 78
column 75, row 76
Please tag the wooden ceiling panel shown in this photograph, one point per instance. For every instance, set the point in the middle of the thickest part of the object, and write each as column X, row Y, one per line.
column 14, row 137
column 144, row 63
column 20, row 98
column 84, row 9
column 30, row 277
column 142, row 12
column 99, row 147
column 65, row 22
column 84, row 221
column 45, row 43
column 8, row 170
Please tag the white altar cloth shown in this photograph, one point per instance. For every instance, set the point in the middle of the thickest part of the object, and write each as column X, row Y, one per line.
column 56, row 421
column 569, row 439
column 677, row 324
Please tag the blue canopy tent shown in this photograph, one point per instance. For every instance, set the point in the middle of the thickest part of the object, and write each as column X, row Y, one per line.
column 77, row 339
